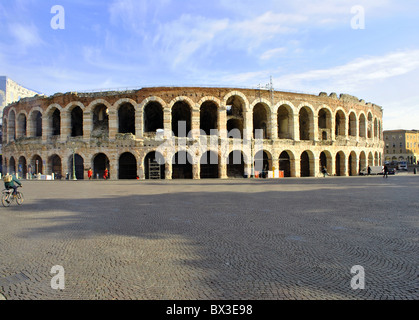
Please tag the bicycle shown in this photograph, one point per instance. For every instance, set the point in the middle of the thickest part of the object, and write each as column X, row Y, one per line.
column 8, row 197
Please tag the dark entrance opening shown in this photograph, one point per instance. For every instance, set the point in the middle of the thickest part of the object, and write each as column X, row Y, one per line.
column 153, row 117
column 285, row 164
column 209, row 165
column 100, row 163
column 305, row 164
column 182, row 166
column 126, row 118
column 154, row 166
column 235, row 165
column 127, row 166
column 79, row 167
column 76, row 122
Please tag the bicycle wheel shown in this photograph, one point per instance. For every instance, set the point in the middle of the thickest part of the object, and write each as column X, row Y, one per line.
column 5, row 200
column 19, row 198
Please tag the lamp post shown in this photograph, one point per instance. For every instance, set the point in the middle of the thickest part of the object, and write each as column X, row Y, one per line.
column 74, row 162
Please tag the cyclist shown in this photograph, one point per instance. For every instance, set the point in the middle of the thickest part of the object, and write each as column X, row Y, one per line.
column 9, row 183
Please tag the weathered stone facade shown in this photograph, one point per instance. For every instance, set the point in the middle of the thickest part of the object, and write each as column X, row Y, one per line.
column 126, row 131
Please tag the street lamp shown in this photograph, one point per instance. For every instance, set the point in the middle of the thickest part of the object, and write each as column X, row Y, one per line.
column 74, row 162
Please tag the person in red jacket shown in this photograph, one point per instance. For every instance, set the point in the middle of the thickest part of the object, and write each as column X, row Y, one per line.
column 105, row 174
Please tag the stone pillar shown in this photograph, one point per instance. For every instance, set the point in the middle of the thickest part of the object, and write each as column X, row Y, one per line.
column 139, row 125
column 87, row 126
column 65, row 125
column 113, row 169
column 167, row 123
column 113, row 124
column 315, row 126
column 296, row 128
column 46, row 129
column 195, row 122
column 274, row 126
column 168, row 169
column 296, row 163
column 196, row 171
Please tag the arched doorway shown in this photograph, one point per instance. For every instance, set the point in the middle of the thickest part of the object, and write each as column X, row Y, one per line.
column 285, row 163
column 209, row 165
column 181, row 119
column 208, row 117
column 154, row 166
column 126, row 119
column 79, row 167
column 127, row 166
column 235, row 165
column 100, row 163
column 305, row 165
column 182, row 166
column 55, row 166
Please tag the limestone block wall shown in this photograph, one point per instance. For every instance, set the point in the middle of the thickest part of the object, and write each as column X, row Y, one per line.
column 250, row 130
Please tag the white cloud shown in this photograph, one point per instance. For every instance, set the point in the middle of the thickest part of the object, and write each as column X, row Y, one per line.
column 25, row 35
column 267, row 55
column 357, row 73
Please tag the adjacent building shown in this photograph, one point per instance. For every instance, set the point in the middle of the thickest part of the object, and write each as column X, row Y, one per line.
column 401, row 145
column 11, row 92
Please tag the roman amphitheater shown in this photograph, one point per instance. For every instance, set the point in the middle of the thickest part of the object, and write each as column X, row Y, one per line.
column 191, row 133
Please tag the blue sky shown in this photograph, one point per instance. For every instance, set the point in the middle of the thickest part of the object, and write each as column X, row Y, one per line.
column 306, row 46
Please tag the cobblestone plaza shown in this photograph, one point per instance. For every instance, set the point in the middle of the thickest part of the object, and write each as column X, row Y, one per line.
column 213, row 239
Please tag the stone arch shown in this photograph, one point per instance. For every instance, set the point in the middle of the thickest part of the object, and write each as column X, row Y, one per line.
column 307, row 164
column 285, row 118
column 340, row 123
column 182, row 162
column 324, row 123
column 352, row 164
column 363, row 163
column 22, row 166
column 263, row 161
column 243, row 98
column 286, row 162
column 208, row 119
column 340, row 163
column 127, row 166
column 99, row 110
column 235, row 164
column 78, row 167
column 53, row 114
column 54, row 166
column 375, row 128
column 12, row 166
column 37, row 164
column 11, row 129
column 209, row 165
column 21, row 125
column 261, row 119
column 326, row 160
column 35, row 122
column 236, row 107
column 306, row 122
column 352, row 124
column 154, row 165
column 181, row 116
column 126, row 117
column 362, row 125
column 100, row 163
column 153, row 115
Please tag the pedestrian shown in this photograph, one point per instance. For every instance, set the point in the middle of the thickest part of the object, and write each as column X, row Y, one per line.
column 324, row 171
column 385, row 175
column 9, row 183
column 105, row 173
column 90, row 173
column 369, row 170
